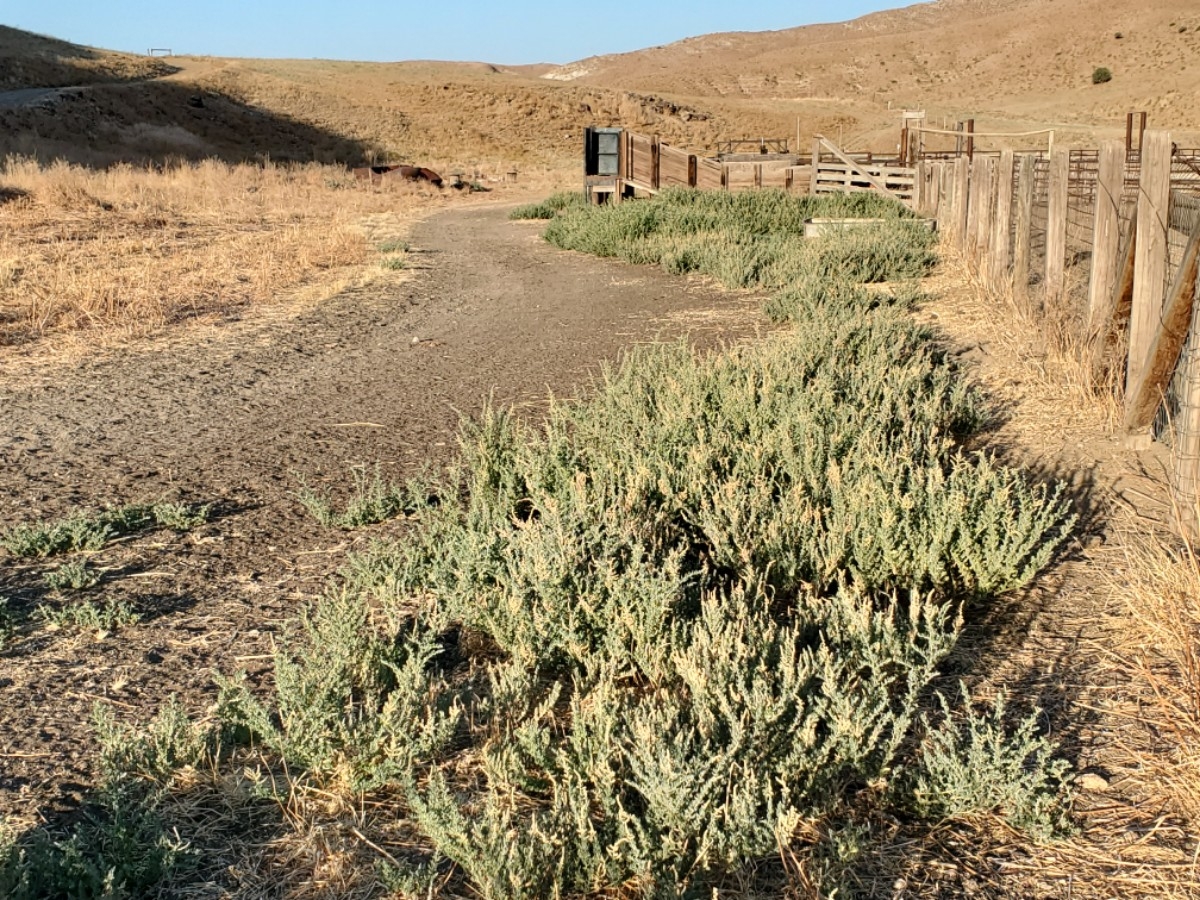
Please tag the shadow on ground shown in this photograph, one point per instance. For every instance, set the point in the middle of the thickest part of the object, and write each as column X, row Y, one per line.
column 154, row 121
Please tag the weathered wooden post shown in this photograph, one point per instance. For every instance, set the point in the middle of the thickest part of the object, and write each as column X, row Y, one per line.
column 1106, row 230
column 974, row 206
column 984, row 223
column 1150, row 255
column 945, row 214
column 1185, row 483
column 962, row 186
column 1056, row 225
column 1002, row 246
column 1022, row 247
column 816, row 164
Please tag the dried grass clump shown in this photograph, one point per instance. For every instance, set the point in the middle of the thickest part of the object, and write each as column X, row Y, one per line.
column 136, row 249
column 1160, row 589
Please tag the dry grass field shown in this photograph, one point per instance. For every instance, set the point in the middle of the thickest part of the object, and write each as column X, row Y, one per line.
column 127, row 250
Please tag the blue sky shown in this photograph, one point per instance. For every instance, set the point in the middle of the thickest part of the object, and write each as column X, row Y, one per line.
column 508, row 31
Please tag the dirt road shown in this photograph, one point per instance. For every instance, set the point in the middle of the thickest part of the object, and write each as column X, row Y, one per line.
column 229, row 416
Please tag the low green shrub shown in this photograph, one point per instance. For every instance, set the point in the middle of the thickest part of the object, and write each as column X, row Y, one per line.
column 374, row 499
column 104, row 616
column 697, row 609
column 76, row 575
column 751, row 239
column 355, row 702
column 550, row 207
column 91, row 530
column 977, row 764
column 120, row 846
column 1101, row 75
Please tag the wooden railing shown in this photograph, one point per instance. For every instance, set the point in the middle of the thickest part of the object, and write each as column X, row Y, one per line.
column 648, row 165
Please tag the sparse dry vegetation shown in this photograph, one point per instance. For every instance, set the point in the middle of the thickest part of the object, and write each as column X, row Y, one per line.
column 134, row 249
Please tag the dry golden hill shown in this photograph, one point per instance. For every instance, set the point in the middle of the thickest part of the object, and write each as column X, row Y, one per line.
column 31, row 60
column 1005, row 62
column 1011, row 64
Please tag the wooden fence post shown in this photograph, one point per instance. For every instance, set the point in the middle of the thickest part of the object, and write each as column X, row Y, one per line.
column 1022, row 248
column 1150, row 257
column 1002, row 246
column 974, row 208
column 1106, row 229
column 816, row 163
column 984, row 222
column 1186, row 476
column 1056, row 225
column 933, row 197
column 945, row 213
column 962, row 184
column 1142, row 402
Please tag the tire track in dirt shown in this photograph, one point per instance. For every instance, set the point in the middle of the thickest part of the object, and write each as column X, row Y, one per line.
column 230, row 414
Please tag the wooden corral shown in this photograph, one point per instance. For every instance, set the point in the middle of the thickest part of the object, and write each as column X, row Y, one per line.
column 1125, row 223
column 646, row 165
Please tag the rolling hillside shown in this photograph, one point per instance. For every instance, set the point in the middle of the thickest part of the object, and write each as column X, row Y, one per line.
column 1013, row 66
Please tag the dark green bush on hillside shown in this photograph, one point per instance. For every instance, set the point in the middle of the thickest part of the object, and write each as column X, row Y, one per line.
column 1101, row 75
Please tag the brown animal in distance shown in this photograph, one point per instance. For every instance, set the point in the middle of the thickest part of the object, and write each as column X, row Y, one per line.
column 408, row 173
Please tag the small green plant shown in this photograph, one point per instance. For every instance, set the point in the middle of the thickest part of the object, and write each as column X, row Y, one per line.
column 76, row 575
column 180, row 516
column 394, row 263
column 977, row 764
column 87, row 530
column 394, row 246
column 1102, row 75
column 121, row 847
column 154, row 752
column 550, row 207
column 373, row 500
column 104, row 617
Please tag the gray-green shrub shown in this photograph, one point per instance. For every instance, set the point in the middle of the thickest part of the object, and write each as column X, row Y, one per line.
column 978, row 764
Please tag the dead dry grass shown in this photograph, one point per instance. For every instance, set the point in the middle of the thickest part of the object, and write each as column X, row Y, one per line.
column 1115, row 643
column 1158, row 589
column 132, row 250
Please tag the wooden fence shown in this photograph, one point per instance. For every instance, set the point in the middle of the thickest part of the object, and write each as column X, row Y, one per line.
column 1109, row 239
column 648, row 165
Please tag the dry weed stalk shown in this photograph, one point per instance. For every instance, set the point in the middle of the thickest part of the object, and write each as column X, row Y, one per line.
column 136, row 249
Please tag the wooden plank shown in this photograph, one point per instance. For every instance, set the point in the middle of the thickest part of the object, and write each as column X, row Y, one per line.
column 816, row 164
column 984, row 223
column 974, row 204
column 1142, row 402
column 1150, row 261
column 937, row 181
column 1106, row 228
column 945, row 190
column 1056, row 225
column 1023, row 241
column 1002, row 245
column 962, row 185
column 836, row 151
column 1186, row 453
column 1117, row 305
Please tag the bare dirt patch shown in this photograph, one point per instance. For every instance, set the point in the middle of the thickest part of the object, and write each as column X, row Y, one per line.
column 228, row 415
